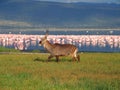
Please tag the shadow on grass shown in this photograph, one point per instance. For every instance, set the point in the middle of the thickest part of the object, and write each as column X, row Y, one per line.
column 52, row 60
column 43, row 60
column 39, row 60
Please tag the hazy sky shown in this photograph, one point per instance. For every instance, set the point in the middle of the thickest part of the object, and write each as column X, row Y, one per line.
column 95, row 1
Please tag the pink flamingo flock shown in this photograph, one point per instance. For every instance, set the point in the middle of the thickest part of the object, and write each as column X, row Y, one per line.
column 23, row 42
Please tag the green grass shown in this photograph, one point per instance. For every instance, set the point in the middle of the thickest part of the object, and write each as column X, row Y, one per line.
column 4, row 49
column 95, row 71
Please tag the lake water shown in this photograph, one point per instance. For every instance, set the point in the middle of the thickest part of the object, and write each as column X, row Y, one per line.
column 81, row 32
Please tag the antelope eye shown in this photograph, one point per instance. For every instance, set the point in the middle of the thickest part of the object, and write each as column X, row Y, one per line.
column 40, row 42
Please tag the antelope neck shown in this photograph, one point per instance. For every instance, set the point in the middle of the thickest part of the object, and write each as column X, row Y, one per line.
column 48, row 46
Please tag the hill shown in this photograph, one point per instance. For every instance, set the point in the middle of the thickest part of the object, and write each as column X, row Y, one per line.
column 18, row 14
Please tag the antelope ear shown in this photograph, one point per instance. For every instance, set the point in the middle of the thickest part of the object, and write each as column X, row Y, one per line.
column 46, row 34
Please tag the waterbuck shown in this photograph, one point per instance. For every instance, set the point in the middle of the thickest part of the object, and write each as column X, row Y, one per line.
column 57, row 50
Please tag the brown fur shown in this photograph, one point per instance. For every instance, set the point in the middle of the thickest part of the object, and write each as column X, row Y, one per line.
column 57, row 50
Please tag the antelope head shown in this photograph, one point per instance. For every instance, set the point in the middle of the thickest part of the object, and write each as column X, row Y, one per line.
column 44, row 39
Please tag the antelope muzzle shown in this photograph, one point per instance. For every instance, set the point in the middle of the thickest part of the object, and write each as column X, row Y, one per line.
column 40, row 43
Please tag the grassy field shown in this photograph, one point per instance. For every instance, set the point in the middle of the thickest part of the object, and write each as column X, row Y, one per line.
column 4, row 49
column 95, row 71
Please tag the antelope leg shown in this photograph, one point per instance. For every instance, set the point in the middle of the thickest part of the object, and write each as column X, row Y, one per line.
column 57, row 58
column 50, row 57
column 74, row 58
column 78, row 57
